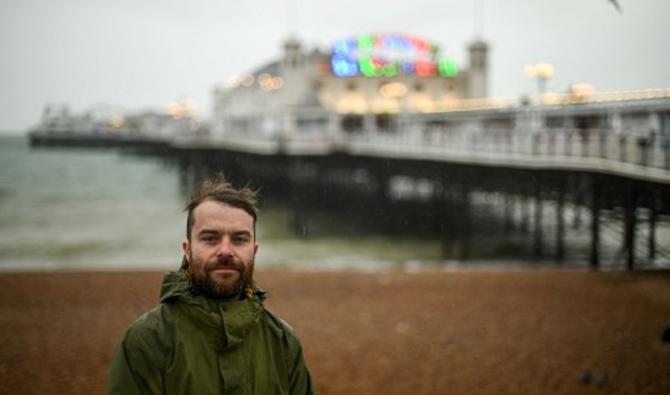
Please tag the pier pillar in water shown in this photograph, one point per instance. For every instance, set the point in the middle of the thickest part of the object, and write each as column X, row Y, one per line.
column 444, row 216
column 465, row 230
column 560, row 224
column 537, row 228
column 594, row 258
column 299, row 196
column 653, row 217
column 507, row 212
column 629, row 224
column 524, row 209
column 185, row 179
column 577, row 187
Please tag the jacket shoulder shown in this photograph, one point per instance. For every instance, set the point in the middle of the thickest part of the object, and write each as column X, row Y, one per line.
column 283, row 330
column 300, row 381
column 149, row 335
column 279, row 324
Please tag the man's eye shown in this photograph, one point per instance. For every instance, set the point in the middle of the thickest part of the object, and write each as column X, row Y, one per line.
column 208, row 239
column 240, row 239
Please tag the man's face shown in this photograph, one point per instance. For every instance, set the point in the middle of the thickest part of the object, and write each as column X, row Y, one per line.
column 221, row 250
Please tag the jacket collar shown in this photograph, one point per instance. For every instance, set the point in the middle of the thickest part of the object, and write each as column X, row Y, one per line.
column 233, row 316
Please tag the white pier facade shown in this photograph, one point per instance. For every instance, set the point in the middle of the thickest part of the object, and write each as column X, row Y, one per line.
column 625, row 134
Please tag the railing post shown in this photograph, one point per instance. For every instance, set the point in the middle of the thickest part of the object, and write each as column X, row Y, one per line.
column 602, row 144
column 535, row 143
column 584, row 142
column 643, row 150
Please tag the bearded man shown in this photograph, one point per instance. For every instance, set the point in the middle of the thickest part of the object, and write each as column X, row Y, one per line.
column 211, row 334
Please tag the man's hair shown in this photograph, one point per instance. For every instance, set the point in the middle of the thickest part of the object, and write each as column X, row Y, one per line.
column 220, row 190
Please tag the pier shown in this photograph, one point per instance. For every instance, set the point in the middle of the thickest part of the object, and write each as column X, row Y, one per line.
column 433, row 168
column 529, row 172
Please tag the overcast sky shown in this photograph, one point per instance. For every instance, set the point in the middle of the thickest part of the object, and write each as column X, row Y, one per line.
column 142, row 54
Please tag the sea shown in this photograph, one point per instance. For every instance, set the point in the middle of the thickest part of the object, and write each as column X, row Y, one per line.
column 101, row 209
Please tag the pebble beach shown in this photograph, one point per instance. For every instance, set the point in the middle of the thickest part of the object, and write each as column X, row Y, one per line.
column 389, row 332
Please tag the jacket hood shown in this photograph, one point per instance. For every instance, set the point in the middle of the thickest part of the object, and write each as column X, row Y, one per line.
column 176, row 285
column 233, row 316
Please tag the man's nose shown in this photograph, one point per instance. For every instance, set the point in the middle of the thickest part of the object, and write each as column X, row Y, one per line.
column 225, row 248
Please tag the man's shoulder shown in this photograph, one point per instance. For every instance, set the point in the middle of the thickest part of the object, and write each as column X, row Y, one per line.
column 150, row 327
column 282, row 328
column 145, row 343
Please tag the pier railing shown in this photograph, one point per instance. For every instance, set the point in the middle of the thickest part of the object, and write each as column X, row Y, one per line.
column 644, row 156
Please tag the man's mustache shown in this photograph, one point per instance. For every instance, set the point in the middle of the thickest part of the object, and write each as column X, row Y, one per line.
column 226, row 263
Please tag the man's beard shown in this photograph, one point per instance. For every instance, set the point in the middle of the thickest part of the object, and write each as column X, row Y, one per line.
column 203, row 283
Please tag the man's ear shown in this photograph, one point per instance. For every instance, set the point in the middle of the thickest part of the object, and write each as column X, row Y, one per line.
column 255, row 248
column 186, row 248
column 184, row 263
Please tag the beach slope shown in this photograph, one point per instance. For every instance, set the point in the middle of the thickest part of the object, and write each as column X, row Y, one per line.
column 431, row 332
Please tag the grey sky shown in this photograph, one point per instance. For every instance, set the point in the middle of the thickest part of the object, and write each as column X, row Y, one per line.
column 137, row 55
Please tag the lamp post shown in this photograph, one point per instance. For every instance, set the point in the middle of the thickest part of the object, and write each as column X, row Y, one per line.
column 542, row 72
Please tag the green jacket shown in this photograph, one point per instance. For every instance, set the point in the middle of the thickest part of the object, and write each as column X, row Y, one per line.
column 191, row 344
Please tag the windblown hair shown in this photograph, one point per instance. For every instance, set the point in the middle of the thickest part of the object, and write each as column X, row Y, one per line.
column 220, row 190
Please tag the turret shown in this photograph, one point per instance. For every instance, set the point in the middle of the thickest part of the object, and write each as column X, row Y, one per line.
column 293, row 57
column 478, row 69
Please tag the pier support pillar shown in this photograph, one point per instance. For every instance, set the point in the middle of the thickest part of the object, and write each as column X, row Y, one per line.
column 465, row 232
column 577, row 213
column 185, row 186
column 507, row 212
column 537, row 228
column 655, row 203
column 297, row 190
column 560, row 224
column 653, row 214
column 629, row 225
column 594, row 258
column 525, row 213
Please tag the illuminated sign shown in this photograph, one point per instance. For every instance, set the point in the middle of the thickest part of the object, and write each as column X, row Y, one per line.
column 388, row 55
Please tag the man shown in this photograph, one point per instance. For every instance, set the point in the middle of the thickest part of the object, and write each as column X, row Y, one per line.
column 211, row 334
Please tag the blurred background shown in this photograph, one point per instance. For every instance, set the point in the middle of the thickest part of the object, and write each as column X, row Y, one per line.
column 468, row 76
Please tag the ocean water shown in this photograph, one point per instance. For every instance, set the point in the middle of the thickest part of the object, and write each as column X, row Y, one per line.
column 100, row 209
column 79, row 208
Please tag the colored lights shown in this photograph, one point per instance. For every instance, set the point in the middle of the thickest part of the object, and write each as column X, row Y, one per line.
column 344, row 67
column 448, row 68
column 388, row 55
column 425, row 68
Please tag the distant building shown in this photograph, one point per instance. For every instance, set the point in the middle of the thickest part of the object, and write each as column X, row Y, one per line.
column 368, row 81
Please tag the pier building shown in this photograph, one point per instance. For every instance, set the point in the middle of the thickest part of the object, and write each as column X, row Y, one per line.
column 362, row 82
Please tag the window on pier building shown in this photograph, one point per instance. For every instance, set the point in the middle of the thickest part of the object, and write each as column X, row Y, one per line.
column 506, row 123
column 313, row 125
column 352, row 123
column 555, row 122
column 588, row 122
column 385, row 122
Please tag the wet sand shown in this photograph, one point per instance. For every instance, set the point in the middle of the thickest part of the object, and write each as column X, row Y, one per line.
column 530, row 332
